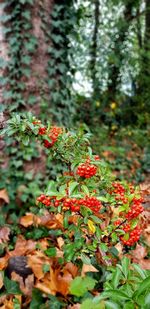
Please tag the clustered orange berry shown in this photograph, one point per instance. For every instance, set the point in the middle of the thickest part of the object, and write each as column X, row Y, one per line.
column 86, row 169
column 53, row 135
column 91, row 202
column 71, row 203
column 136, row 208
column 42, row 131
column 134, row 236
column 46, row 200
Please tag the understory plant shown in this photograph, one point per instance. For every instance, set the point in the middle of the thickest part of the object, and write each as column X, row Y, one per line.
column 76, row 225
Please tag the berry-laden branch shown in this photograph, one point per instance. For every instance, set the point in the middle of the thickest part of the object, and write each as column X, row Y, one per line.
column 86, row 195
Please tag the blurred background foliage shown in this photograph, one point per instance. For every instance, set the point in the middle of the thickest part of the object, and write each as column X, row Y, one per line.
column 79, row 64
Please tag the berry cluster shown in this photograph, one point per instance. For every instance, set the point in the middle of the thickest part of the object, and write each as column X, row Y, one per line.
column 119, row 190
column 91, row 202
column 44, row 200
column 53, row 135
column 86, row 170
column 134, row 236
column 42, row 131
column 136, row 208
column 48, row 201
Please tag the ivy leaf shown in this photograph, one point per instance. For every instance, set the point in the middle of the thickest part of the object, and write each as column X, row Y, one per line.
column 12, row 287
column 79, row 286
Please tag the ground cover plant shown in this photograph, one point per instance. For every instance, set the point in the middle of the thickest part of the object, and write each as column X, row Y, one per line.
column 64, row 250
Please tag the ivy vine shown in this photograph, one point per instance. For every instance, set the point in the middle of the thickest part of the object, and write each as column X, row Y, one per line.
column 59, row 28
column 17, row 25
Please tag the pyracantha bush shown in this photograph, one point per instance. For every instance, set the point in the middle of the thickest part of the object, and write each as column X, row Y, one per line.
column 107, row 210
column 84, row 213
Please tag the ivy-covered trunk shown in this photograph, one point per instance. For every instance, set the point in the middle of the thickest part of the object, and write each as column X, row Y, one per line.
column 38, row 75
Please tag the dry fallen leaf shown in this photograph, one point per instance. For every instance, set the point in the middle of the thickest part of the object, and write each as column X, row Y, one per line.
column 27, row 286
column 36, row 263
column 23, row 246
column 138, row 256
column 4, row 262
column 1, row 280
column 58, row 279
column 4, row 196
column 4, row 234
column 27, row 220
column 88, row 268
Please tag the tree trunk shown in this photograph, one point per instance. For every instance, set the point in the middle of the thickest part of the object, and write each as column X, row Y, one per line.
column 114, row 72
column 94, row 51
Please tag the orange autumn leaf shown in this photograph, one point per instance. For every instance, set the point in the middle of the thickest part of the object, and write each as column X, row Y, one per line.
column 58, row 279
column 4, row 196
column 54, row 282
column 36, row 263
column 51, row 221
column 27, row 220
column 4, row 262
column 71, row 268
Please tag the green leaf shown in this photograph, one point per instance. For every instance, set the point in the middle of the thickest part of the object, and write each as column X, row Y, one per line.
column 85, row 190
column 112, row 294
column 129, row 305
column 50, row 252
column 125, row 266
column 103, row 247
column 116, row 278
column 85, row 259
column 16, row 304
column 37, row 299
column 134, row 223
column 72, row 186
column 46, row 268
column 111, row 305
column 25, row 140
column 79, row 286
column 139, row 270
column 51, row 189
column 142, row 288
column 89, row 304
column 96, row 219
column 12, row 287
